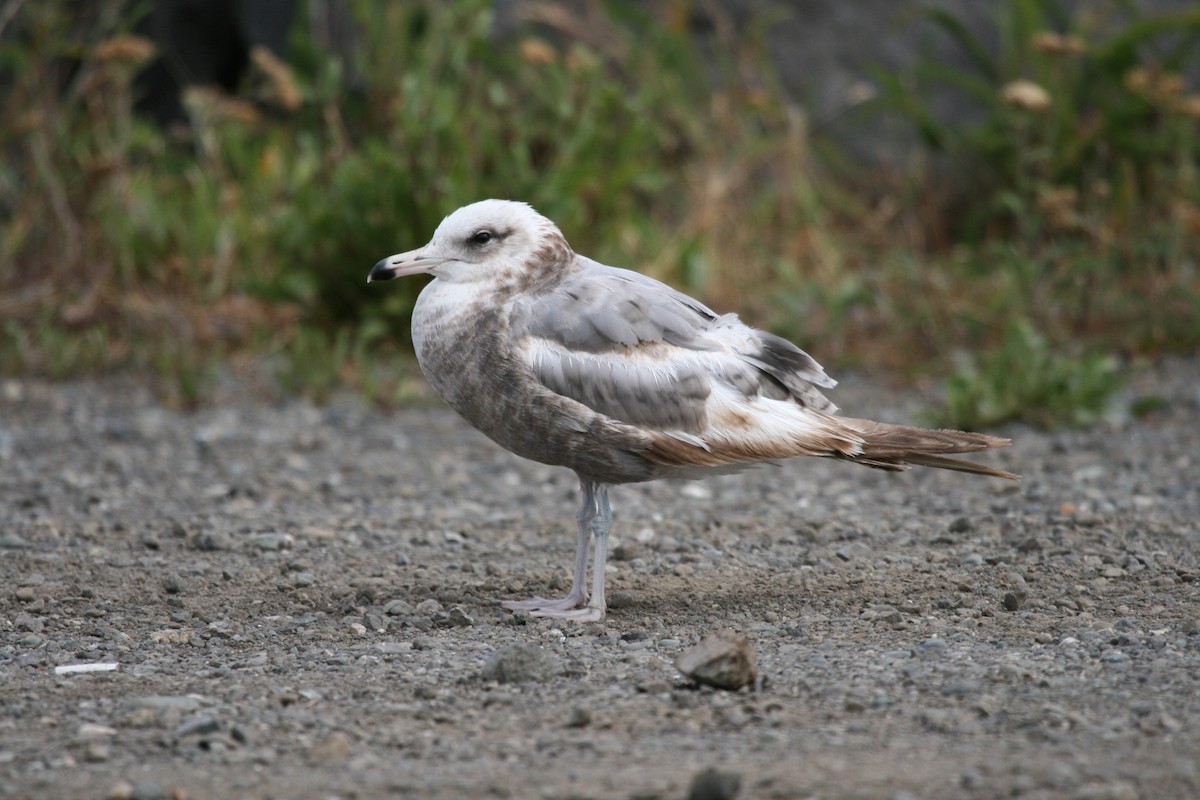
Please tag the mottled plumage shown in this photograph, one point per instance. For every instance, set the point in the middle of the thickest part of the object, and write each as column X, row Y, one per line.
column 619, row 377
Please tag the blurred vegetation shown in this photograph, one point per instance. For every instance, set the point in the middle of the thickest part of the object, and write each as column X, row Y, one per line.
column 246, row 238
column 1024, row 378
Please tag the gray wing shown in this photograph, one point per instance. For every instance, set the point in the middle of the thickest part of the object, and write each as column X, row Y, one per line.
column 599, row 309
column 638, row 351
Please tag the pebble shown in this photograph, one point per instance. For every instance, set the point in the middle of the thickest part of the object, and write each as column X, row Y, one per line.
column 932, row 646
column 97, row 752
column 622, row 599
column 121, row 790
column 961, row 525
column 337, row 746
column 456, row 617
column 428, row 607
column 723, row 660
column 89, row 730
column 200, row 725
column 714, row 784
column 1119, row 790
column 579, row 718
column 273, row 541
column 521, row 663
column 399, row 608
column 212, row 541
column 148, row 790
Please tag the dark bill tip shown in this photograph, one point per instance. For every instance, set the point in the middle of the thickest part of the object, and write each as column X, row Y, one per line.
column 382, row 271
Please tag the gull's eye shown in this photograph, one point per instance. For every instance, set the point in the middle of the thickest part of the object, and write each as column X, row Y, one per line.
column 482, row 237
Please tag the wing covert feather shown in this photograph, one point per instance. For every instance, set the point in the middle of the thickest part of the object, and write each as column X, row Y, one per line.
column 640, row 352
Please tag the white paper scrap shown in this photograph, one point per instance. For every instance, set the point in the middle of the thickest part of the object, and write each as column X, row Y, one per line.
column 99, row 666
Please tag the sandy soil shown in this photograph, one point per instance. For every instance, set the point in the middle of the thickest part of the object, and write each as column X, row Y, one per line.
column 299, row 602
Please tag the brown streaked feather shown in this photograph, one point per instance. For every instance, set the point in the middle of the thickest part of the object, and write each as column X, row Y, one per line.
column 670, row 451
column 898, row 447
column 882, row 438
column 871, row 444
column 961, row 465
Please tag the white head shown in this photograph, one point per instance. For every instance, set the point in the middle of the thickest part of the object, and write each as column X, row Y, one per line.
column 500, row 241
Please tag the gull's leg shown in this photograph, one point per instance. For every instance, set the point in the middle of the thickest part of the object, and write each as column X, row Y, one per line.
column 598, row 521
column 596, row 607
column 578, row 596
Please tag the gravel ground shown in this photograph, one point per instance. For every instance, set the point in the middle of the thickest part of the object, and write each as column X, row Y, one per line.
column 299, row 604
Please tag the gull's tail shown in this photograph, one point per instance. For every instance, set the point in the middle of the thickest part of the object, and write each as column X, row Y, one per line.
column 898, row 447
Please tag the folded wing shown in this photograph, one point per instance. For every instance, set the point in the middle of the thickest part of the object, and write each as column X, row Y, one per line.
column 643, row 354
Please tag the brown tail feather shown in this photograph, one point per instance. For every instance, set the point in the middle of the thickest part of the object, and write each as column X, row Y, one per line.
column 897, row 447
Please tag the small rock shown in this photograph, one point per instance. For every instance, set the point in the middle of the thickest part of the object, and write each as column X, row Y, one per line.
column 621, row 600
column 626, row 551
column 1119, row 790
column 121, row 790
column 148, row 790
column 931, row 646
column 1030, row 545
column 1011, row 601
column 337, row 746
column 972, row 780
column 886, row 613
column 272, row 541
column 89, row 730
column 211, row 541
column 171, row 584
column 714, row 784
column 456, row 617
column 428, row 607
column 579, row 718
column 399, row 608
column 200, row 725
column 723, row 660
column 961, row 525
column 97, row 752
column 519, row 663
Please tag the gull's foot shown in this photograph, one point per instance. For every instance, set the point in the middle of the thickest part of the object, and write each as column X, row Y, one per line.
column 535, row 604
column 573, row 608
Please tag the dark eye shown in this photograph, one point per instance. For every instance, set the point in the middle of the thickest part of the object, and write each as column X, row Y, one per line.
column 482, row 237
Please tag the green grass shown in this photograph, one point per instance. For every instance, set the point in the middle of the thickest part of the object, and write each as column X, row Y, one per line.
column 1025, row 379
column 249, row 237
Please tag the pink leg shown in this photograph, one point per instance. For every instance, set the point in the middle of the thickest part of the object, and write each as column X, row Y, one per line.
column 595, row 518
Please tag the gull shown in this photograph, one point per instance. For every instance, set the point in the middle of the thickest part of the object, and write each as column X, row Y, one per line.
column 612, row 374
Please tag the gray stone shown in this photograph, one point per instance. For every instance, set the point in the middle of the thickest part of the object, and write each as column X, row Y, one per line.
column 714, row 784
column 521, row 663
column 723, row 660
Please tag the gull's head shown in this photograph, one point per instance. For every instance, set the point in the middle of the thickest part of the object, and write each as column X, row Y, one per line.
column 499, row 241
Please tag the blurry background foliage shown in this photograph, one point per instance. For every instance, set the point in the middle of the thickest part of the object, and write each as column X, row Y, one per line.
column 1059, row 228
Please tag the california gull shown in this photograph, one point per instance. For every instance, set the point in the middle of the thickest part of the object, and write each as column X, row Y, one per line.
column 621, row 378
